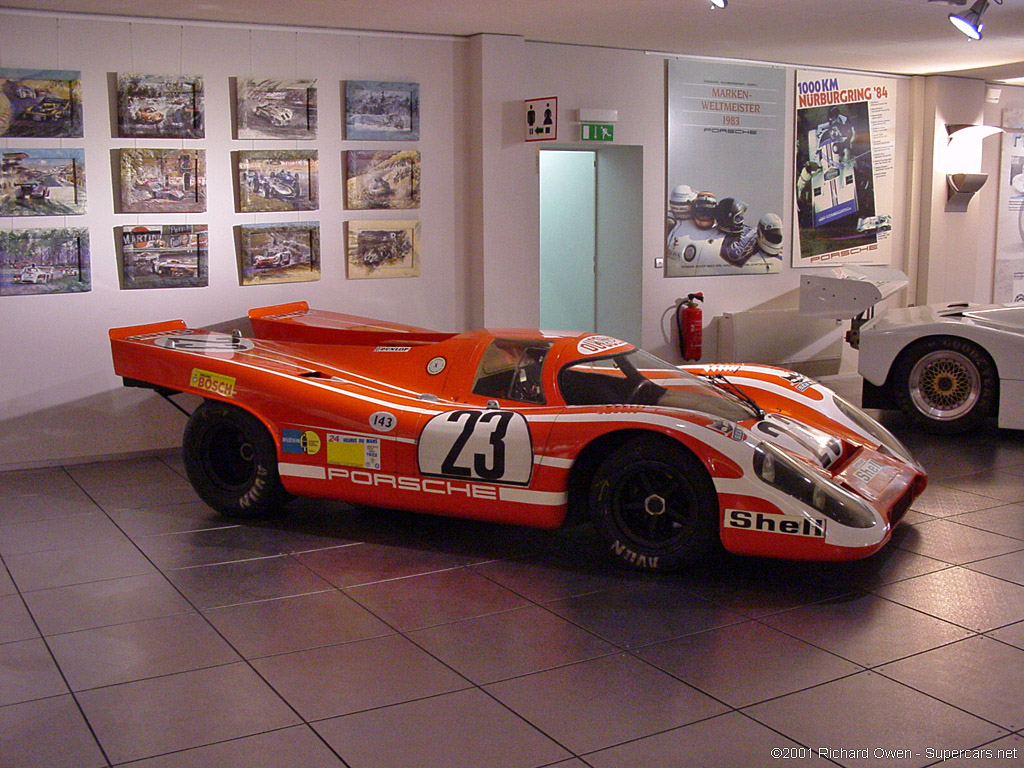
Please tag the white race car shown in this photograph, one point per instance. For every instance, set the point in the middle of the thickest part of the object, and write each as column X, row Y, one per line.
column 947, row 366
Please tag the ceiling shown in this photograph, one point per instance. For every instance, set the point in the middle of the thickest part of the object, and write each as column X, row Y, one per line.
column 895, row 36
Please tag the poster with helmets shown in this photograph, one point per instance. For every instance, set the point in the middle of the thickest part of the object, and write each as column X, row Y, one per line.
column 725, row 170
column 845, row 144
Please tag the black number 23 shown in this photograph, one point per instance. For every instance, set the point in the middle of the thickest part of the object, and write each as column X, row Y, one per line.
column 484, row 466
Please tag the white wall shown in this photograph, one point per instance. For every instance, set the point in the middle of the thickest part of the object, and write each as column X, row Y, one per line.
column 59, row 400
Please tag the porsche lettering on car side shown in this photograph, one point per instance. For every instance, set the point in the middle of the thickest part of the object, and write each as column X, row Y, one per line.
column 526, row 427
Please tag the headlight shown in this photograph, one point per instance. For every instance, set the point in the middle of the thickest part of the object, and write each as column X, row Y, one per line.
column 873, row 428
column 791, row 477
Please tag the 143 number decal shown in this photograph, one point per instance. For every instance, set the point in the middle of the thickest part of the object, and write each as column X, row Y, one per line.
column 484, row 445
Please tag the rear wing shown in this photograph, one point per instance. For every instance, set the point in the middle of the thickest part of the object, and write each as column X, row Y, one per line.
column 297, row 322
column 843, row 293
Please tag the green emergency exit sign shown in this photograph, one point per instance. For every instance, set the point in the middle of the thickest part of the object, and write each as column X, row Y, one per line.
column 597, row 132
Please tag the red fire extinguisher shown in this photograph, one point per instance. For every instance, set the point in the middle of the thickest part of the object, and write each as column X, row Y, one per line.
column 690, row 321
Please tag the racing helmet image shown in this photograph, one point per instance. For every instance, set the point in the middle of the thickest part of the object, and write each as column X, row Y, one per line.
column 680, row 202
column 729, row 215
column 769, row 234
column 704, row 209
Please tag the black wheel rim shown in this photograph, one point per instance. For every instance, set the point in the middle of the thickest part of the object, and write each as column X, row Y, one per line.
column 653, row 506
column 228, row 457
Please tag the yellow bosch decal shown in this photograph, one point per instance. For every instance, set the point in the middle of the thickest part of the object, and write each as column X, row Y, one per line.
column 216, row 383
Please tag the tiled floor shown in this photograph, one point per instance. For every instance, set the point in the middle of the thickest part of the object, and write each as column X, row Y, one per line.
column 137, row 627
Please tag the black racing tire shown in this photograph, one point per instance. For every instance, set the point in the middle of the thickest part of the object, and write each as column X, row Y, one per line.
column 654, row 505
column 945, row 384
column 231, row 461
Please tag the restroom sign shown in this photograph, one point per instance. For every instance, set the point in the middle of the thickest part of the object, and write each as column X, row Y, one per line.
column 542, row 119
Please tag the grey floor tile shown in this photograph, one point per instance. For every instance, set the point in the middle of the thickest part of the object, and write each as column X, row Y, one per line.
column 48, row 732
column 151, row 648
column 246, row 581
column 970, row 599
column 297, row 747
column 1000, row 484
column 1012, row 634
column 1007, row 520
column 41, row 494
column 726, row 740
column 746, row 663
column 950, row 542
column 509, row 644
column 340, row 679
column 467, row 729
column 15, row 620
column 369, row 563
column 88, row 530
column 103, row 603
column 979, row 675
column 297, row 623
column 866, row 629
column 603, row 702
column 639, row 615
column 210, row 546
column 554, row 577
column 78, row 565
column 435, row 598
column 868, row 711
column 138, row 482
column 191, row 709
column 888, row 565
column 1001, row 752
column 1008, row 567
column 943, row 501
column 27, row 672
column 166, row 518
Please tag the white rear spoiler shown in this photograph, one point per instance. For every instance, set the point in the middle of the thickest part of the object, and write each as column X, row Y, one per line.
column 843, row 293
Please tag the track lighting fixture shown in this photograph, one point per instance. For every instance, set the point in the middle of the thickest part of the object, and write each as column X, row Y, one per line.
column 969, row 22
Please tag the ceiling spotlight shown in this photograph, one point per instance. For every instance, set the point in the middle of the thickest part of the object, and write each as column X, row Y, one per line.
column 969, row 22
column 719, row 3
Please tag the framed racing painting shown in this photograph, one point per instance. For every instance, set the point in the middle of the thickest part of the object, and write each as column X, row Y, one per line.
column 278, row 180
column 160, row 106
column 164, row 256
column 163, row 180
column 276, row 109
column 382, row 179
column 42, row 182
column 379, row 111
column 279, row 252
column 40, row 103
column 383, row 248
column 35, row 261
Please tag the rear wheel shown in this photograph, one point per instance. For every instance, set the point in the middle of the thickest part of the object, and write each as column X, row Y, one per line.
column 231, row 461
column 654, row 505
column 946, row 384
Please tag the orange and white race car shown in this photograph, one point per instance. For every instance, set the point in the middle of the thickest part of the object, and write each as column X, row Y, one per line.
column 526, row 427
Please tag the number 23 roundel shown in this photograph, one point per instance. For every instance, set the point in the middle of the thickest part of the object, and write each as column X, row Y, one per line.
column 493, row 446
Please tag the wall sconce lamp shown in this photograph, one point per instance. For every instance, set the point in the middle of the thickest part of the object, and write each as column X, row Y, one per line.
column 964, row 145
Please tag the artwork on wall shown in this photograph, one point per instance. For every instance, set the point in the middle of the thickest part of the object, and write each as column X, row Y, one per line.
column 383, row 248
column 34, row 261
column 160, row 106
column 40, row 103
column 42, row 182
column 279, row 252
column 278, row 180
column 276, row 109
column 378, row 111
column 163, row 180
column 164, row 256
column 382, row 179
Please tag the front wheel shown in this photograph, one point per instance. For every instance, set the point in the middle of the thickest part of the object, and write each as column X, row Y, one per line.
column 654, row 505
column 231, row 461
column 946, row 384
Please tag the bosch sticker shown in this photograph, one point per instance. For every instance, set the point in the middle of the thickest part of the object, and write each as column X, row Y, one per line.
column 208, row 381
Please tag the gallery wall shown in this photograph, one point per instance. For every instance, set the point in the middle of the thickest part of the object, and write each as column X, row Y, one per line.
column 59, row 399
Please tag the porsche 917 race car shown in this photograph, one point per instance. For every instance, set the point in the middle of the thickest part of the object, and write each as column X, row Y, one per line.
column 526, row 427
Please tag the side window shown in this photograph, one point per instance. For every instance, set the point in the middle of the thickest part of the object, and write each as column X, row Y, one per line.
column 510, row 369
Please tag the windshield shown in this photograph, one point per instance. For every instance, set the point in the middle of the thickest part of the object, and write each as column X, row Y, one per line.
column 640, row 378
